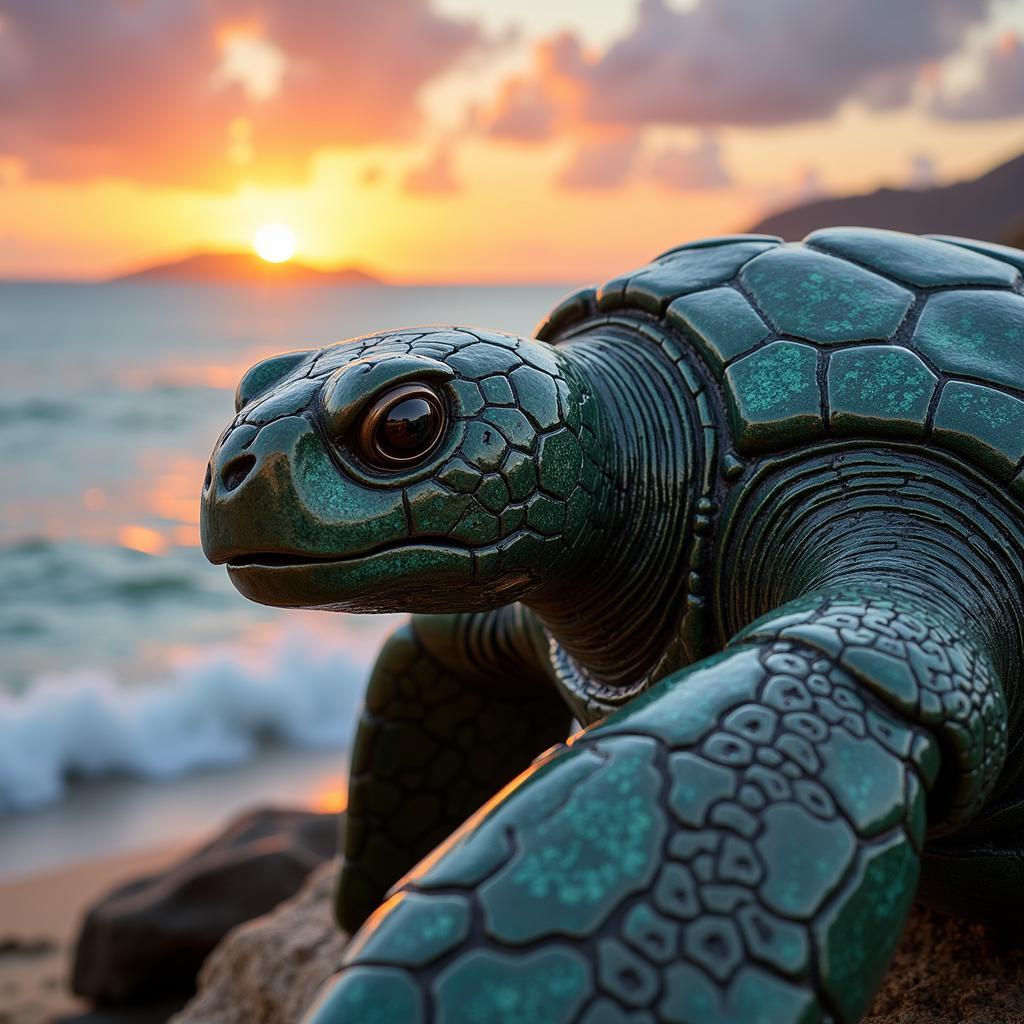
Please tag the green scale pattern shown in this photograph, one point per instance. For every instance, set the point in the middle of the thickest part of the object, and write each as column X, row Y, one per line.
column 751, row 514
column 708, row 856
column 854, row 332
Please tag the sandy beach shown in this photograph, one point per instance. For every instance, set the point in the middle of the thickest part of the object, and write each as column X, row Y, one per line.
column 57, row 862
column 39, row 918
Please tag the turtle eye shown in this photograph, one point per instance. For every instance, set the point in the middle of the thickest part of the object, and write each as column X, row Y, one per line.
column 403, row 426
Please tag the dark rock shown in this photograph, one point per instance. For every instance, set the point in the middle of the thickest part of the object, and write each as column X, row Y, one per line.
column 147, row 939
column 270, row 970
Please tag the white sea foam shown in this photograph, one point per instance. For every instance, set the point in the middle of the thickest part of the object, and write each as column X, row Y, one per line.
column 300, row 688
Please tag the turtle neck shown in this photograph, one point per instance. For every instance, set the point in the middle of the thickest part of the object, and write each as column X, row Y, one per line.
column 613, row 617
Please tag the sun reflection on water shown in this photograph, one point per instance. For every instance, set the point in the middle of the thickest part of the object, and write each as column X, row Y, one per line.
column 142, row 538
column 331, row 797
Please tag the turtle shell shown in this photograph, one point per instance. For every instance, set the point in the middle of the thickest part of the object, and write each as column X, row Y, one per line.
column 852, row 333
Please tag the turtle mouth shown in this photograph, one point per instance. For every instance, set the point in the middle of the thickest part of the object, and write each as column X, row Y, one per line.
column 293, row 560
column 408, row 577
column 277, row 560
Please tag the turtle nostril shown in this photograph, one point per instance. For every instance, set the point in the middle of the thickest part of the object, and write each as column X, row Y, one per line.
column 236, row 471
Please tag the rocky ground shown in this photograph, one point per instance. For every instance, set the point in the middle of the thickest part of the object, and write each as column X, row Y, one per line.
column 149, row 938
column 945, row 971
column 271, row 969
column 142, row 942
column 139, row 947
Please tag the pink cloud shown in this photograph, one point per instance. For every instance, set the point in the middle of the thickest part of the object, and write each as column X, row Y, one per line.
column 537, row 106
column 435, row 175
column 737, row 62
column 523, row 112
column 771, row 62
column 601, row 163
column 141, row 90
column 999, row 91
column 684, row 170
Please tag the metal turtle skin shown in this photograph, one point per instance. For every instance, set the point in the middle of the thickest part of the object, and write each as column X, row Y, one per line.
column 752, row 515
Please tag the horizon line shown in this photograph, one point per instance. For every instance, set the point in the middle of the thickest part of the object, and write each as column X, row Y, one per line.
column 402, row 282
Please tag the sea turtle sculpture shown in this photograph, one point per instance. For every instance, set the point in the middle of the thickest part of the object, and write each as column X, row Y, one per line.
column 750, row 514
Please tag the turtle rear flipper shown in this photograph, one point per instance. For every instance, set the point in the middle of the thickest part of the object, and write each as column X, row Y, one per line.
column 455, row 708
column 740, row 844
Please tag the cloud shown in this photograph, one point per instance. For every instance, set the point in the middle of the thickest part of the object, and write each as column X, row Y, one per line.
column 998, row 93
column 610, row 162
column 184, row 91
column 531, row 108
column 523, row 112
column 255, row 64
column 739, row 62
column 684, row 170
column 771, row 62
column 600, row 164
column 435, row 175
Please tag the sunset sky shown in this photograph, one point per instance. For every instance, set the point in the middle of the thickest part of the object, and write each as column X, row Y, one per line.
column 476, row 140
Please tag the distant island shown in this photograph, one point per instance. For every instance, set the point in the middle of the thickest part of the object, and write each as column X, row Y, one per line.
column 242, row 268
column 989, row 207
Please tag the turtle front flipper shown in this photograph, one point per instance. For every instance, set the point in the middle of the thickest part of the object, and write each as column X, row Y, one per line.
column 738, row 846
column 456, row 707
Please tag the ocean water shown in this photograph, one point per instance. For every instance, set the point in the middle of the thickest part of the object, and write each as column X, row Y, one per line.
column 122, row 652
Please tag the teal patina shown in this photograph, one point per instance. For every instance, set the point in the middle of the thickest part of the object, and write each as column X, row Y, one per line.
column 751, row 514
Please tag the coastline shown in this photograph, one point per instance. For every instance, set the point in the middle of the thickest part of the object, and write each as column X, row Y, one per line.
column 39, row 919
column 56, row 862
column 117, row 817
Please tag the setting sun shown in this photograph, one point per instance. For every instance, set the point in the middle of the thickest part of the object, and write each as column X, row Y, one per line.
column 274, row 243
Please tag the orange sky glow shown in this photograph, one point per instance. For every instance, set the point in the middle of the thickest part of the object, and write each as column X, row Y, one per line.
column 498, row 140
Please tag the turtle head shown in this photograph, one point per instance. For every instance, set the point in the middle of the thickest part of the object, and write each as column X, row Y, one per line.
column 430, row 470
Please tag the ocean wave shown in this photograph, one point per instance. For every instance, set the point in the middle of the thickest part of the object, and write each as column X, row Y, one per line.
column 219, row 707
column 34, row 410
column 70, row 573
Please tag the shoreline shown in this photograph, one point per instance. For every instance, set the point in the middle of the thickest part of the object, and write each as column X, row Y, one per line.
column 57, row 862
column 41, row 914
column 97, row 820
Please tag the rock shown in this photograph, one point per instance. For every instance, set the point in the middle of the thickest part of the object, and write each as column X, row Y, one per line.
column 269, row 971
column 147, row 940
column 945, row 971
